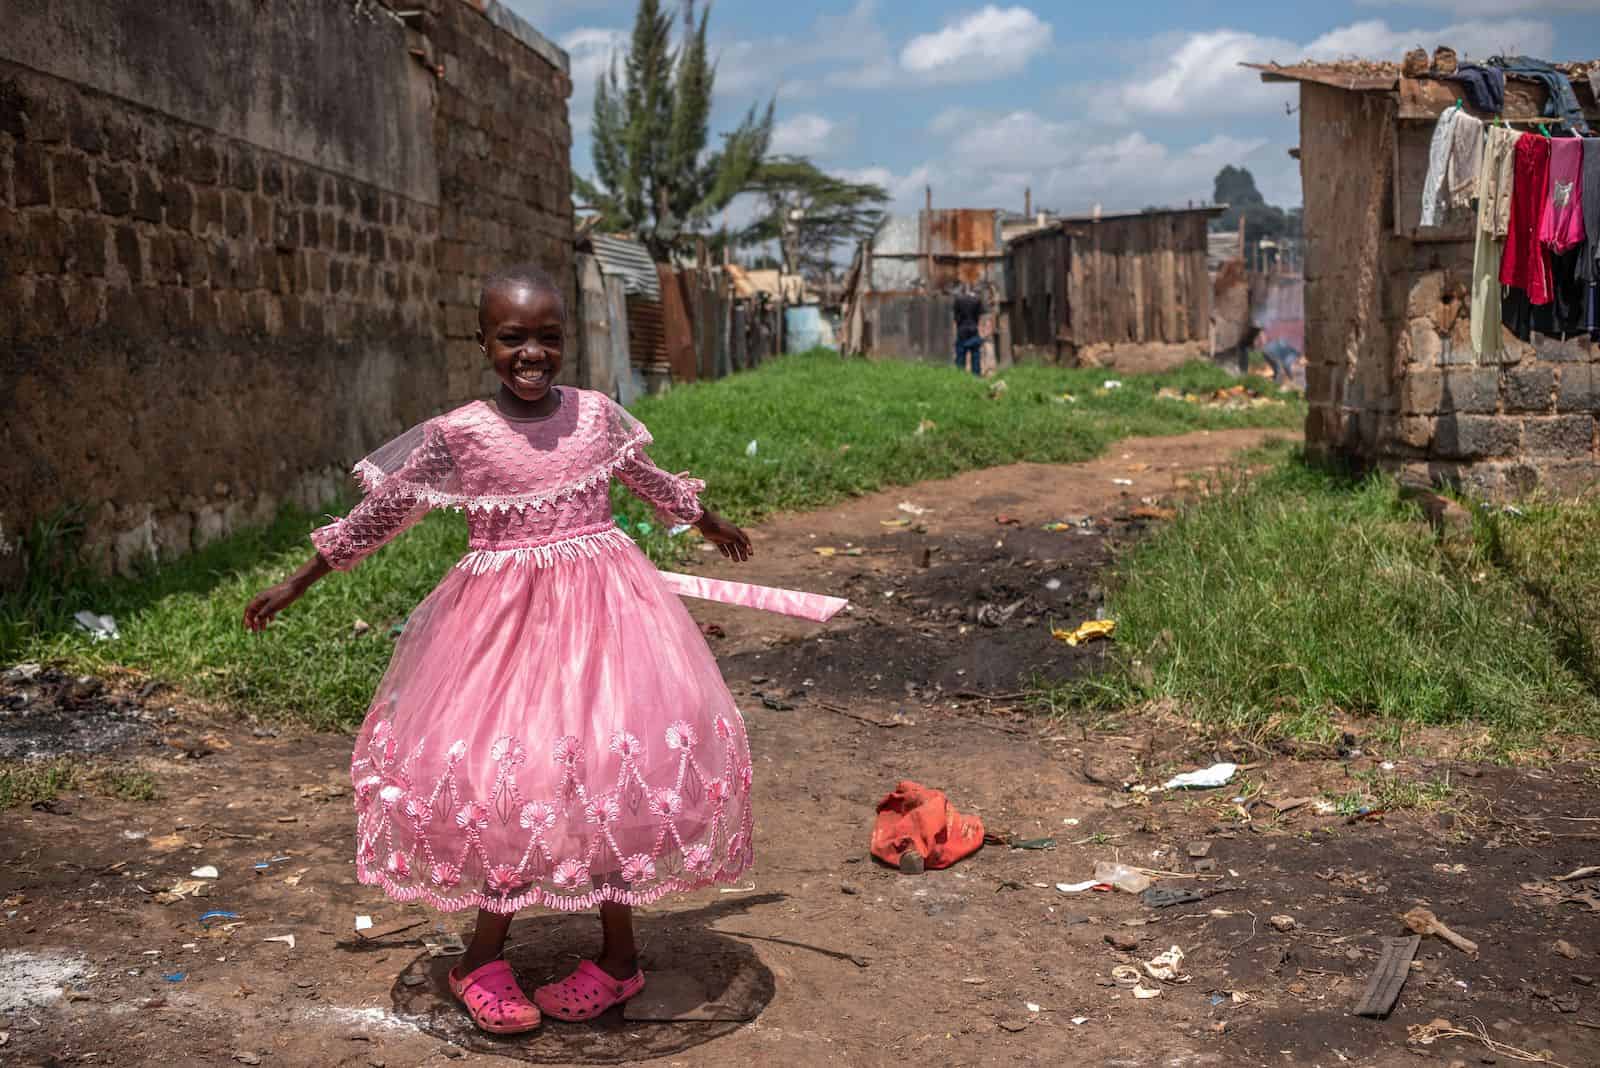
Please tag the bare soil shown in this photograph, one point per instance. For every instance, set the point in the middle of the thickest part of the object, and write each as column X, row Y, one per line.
column 104, row 957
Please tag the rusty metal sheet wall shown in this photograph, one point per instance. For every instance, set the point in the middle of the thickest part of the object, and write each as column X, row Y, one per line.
column 647, row 342
column 677, row 332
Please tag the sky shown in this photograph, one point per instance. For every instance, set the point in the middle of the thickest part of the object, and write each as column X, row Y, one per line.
column 1121, row 105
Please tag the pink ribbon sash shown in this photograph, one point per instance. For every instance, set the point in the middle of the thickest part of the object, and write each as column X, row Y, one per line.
column 812, row 606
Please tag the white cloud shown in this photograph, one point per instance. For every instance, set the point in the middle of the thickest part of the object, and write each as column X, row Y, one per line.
column 1488, row 7
column 985, row 44
column 1477, row 37
column 1199, row 75
column 1010, row 139
column 590, row 49
column 810, row 134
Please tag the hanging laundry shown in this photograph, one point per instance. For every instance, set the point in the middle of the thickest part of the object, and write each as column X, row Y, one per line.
column 1466, row 156
column 1563, row 219
column 1524, row 265
column 1589, row 259
column 1561, row 102
column 1483, row 87
column 1433, row 185
column 1563, row 315
column 1494, row 217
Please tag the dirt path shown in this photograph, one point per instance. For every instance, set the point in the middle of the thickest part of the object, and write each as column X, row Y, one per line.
column 840, row 961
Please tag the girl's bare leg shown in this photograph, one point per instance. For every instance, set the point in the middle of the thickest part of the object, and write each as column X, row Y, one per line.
column 619, row 954
column 488, row 939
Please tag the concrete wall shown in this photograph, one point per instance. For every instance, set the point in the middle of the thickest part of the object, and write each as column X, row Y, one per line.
column 1391, row 376
column 220, row 225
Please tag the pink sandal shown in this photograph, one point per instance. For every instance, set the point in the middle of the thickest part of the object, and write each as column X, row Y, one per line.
column 586, row 993
column 494, row 1000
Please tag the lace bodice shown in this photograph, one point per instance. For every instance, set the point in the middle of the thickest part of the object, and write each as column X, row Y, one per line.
column 524, row 484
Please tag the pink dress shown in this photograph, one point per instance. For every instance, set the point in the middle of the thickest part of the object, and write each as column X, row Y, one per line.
column 552, row 729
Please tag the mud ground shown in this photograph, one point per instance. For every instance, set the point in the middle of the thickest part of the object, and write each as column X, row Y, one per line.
column 104, row 958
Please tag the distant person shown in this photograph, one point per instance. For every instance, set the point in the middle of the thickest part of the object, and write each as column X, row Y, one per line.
column 969, row 342
column 552, row 729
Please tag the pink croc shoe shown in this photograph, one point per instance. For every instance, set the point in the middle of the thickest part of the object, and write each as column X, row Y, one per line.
column 586, row 993
column 494, row 1000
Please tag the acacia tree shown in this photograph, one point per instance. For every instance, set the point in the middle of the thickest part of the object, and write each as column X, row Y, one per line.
column 652, row 110
column 809, row 212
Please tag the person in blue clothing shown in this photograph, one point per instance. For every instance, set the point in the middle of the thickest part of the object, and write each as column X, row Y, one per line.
column 968, row 311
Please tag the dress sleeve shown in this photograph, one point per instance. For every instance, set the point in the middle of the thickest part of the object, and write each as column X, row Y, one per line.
column 675, row 498
column 402, row 480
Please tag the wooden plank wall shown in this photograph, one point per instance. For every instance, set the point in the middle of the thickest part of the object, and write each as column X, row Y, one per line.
column 1140, row 279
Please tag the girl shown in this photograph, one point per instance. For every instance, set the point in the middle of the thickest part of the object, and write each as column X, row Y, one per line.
column 552, row 729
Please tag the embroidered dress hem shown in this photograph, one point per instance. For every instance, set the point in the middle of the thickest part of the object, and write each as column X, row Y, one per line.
column 539, row 897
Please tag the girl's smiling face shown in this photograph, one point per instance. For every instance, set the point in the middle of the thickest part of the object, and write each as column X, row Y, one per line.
column 522, row 329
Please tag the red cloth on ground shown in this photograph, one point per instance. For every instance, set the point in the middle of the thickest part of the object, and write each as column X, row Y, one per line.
column 917, row 818
column 1525, row 264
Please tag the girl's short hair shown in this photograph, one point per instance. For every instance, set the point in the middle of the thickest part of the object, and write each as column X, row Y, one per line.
column 530, row 275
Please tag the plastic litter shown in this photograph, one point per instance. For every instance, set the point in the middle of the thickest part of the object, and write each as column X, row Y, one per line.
column 1086, row 631
column 287, row 939
column 100, row 628
column 1128, row 880
column 1078, row 888
column 1122, row 482
column 1283, row 923
column 679, row 530
column 912, row 509
column 216, row 914
column 1167, row 966
column 1142, row 992
column 207, row 872
column 1111, row 383
column 1158, row 898
column 363, row 923
column 1032, row 1006
column 1204, row 779
column 750, row 449
column 448, row 944
column 176, row 977
column 1052, row 584
column 1079, row 1021
column 1126, row 975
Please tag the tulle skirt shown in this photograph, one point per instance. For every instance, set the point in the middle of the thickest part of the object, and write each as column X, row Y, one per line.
column 552, row 730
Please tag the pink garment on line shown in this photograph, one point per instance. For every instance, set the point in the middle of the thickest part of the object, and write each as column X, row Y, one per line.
column 552, row 729
column 1563, row 220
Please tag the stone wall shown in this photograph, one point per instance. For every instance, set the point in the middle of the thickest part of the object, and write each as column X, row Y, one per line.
column 1392, row 379
column 224, row 246
column 505, row 181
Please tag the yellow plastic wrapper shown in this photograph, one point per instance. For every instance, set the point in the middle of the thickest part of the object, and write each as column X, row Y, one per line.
column 1086, row 631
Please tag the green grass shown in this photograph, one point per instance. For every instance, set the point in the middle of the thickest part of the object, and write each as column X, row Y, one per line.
column 1304, row 600
column 182, row 622
column 1379, row 791
column 24, row 782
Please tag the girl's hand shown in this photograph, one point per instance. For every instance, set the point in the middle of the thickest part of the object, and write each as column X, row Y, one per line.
column 733, row 542
column 268, row 603
column 274, row 599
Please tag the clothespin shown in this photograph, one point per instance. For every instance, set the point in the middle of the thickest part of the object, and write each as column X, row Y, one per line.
column 1458, row 104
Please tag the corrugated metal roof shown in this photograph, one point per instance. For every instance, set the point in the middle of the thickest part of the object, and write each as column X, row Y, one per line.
column 629, row 261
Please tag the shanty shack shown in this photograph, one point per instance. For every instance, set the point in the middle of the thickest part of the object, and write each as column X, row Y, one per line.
column 1392, row 376
column 1131, row 290
column 900, row 293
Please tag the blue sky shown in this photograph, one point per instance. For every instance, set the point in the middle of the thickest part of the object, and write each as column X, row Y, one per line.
column 1122, row 105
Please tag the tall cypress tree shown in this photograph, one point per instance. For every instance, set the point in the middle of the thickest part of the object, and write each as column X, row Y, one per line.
column 652, row 112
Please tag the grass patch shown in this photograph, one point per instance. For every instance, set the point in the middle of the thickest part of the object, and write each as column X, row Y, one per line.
column 825, row 429
column 1305, row 599
column 24, row 782
column 1379, row 791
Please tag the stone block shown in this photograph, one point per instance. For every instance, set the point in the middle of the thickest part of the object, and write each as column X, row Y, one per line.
column 208, row 211
column 306, row 186
column 235, row 213
column 130, row 252
column 1414, row 433
column 1470, row 390
column 87, row 251
column 1576, row 391
column 1569, row 436
column 310, row 232
column 1572, row 350
column 163, row 258
column 84, row 128
column 85, row 304
column 242, row 171
column 45, row 243
column 148, row 202
column 179, row 201
column 127, row 312
column 263, row 217
column 1529, row 389
column 124, row 139
column 1426, row 344
column 1470, row 437
column 272, row 178
column 45, row 316
column 30, row 170
column 47, row 119
column 202, row 164
column 115, row 186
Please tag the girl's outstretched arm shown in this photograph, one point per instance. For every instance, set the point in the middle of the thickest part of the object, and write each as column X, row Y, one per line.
column 274, row 599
